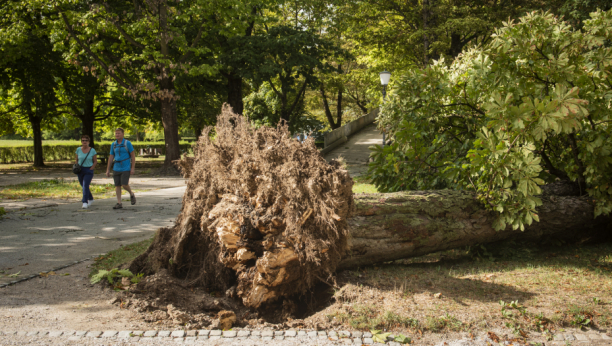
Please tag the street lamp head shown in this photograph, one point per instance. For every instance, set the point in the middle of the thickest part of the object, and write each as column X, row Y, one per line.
column 384, row 77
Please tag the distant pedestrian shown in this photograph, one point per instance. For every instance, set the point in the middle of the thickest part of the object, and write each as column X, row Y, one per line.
column 87, row 158
column 123, row 160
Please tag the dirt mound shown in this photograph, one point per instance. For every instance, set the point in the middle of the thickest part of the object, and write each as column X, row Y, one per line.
column 264, row 216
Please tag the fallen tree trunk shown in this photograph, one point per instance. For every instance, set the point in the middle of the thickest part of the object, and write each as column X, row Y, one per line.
column 393, row 226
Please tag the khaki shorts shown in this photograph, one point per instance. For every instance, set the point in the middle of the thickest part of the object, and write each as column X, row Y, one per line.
column 121, row 178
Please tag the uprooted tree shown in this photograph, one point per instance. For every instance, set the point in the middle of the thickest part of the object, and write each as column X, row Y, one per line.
column 266, row 217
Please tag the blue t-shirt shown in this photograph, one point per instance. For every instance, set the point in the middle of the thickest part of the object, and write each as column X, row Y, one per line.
column 86, row 162
column 122, row 153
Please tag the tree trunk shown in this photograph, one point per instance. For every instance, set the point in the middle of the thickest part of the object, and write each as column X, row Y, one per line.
column 88, row 121
column 38, row 149
column 393, row 226
column 234, row 93
column 170, row 123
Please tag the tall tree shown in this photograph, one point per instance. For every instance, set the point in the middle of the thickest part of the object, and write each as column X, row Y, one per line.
column 29, row 70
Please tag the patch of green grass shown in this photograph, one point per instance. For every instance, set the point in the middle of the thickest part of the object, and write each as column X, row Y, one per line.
column 120, row 256
column 364, row 188
column 363, row 185
column 54, row 188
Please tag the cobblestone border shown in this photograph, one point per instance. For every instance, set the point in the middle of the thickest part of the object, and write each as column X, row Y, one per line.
column 348, row 337
column 45, row 272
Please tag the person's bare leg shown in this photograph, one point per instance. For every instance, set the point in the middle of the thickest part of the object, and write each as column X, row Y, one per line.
column 128, row 189
column 118, row 193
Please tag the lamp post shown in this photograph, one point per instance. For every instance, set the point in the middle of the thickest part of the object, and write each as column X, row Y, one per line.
column 384, row 81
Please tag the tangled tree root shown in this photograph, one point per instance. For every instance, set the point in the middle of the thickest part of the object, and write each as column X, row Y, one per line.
column 264, row 216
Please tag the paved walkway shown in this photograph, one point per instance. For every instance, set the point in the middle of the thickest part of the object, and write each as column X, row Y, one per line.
column 41, row 238
column 355, row 152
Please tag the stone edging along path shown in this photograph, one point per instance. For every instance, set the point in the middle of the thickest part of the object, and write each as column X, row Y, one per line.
column 342, row 337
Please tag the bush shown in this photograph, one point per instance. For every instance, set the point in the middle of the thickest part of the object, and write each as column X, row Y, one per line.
column 58, row 152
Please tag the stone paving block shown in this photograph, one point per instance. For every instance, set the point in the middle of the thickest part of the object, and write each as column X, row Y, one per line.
column 581, row 337
column 80, row 333
column 254, row 337
column 266, row 338
column 215, row 332
column 302, row 333
column 346, row 341
column 279, row 332
column 569, row 337
column 178, row 340
column 55, row 334
column 368, row 341
column 178, row 334
column 334, row 338
column 94, row 334
column 150, row 333
column 357, row 334
column 332, row 333
column 32, row 333
column 312, row 334
column 164, row 333
column 256, row 333
column 243, row 333
column 558, row 337
column 357, row 341
column 191, row 338
column 393, row 343
column 135, row 339
column 594, row 336
column 203, row 332
column 345, row 334
column 203, row 337
column 229, row 333
column 75, row 338
column 110, row 334
column 605, row 337
column 322, row 333
column 291, row 333
column 22, row 333
column 124, row 334
column 138, row 333
column 367, row 335
column 279, row 337
column 191, row 333
column 267, row 333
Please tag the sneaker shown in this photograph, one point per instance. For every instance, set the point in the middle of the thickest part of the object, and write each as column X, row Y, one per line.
column 89, row 203
column 85, row 205
column 133, row 199
column 118, row 206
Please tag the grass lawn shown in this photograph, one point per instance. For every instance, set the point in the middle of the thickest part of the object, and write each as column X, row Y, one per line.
column 363, row 185
column 512, row 286
column 55, row 188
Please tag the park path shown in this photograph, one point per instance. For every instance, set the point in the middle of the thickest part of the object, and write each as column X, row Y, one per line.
column 52, row 235
column 355, row 151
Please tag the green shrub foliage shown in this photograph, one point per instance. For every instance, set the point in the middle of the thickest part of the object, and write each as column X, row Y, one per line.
column 58, row 152
column 530, row 107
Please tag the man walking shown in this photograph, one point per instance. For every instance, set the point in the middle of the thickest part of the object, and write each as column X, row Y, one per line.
column 123, row 158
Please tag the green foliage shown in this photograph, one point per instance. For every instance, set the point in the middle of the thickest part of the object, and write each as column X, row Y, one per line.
column 111, row 275
column 530, row 107
column 379, row 336
column 2, row 212
column 57, row 152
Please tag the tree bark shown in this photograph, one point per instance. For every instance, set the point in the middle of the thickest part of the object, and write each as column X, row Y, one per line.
column 38, row 149
column 387, row 227
column 170, row 123
column 234, row 93
column 88, row 120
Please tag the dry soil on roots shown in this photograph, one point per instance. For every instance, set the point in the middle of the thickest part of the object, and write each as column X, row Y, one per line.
column 264, row 216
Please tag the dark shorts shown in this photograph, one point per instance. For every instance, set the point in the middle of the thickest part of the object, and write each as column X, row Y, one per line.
column 121, row 178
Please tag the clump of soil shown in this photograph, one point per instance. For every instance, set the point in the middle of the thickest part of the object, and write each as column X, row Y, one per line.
column 264, row 218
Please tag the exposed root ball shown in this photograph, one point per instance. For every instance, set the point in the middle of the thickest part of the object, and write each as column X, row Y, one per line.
column 262, row 212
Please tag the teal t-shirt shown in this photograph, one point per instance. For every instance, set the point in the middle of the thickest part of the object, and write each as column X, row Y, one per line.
column 89, row 161
column 122, row 151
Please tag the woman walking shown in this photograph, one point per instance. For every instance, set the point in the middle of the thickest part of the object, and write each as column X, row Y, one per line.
column 87, row 158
